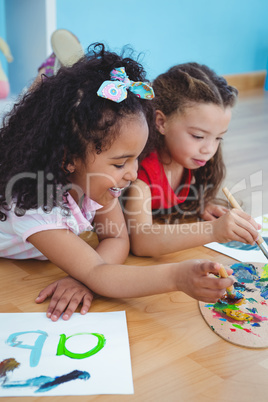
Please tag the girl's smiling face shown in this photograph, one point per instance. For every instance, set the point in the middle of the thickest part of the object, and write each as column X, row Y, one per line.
column 103, row 176
column 193, row 137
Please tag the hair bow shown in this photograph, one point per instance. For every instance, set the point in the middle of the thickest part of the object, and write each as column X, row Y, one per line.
column 116, row 89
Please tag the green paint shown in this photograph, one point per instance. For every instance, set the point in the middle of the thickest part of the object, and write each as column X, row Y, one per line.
column 212, row 327
column 237, row 326
column 223, row 306
column 209, row 305
column 62, row 350
column 264, row 274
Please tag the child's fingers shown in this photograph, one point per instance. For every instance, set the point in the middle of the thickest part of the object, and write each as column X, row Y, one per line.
column 246, row 217
column 215, row 283
column 209, row 267
column 56, row 307
column 208, row 216
column 74, row 303
column 245, row 236
column 211, row 295
column 67, row 303
column 45, row 293
column 58, row 303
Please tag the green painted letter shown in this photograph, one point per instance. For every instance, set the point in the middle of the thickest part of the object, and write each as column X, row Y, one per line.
column 62, row 350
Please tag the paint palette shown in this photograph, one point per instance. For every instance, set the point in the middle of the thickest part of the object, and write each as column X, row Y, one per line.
column 243, row 323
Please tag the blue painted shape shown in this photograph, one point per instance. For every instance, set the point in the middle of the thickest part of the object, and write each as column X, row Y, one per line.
column 45, row 383
column 36, row 349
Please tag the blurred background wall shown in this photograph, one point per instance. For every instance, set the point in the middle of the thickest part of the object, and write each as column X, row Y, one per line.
column 231, row 36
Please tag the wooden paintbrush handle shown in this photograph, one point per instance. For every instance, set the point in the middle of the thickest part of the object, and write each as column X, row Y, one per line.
column 224, row 274
column 231, row 198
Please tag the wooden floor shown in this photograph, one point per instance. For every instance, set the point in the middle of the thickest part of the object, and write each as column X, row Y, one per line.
column 175, row 355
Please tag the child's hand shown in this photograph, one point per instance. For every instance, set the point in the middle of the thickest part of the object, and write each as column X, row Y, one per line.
column 213, row 211
column 67, row 294
column 197, row 283
column 235, row 225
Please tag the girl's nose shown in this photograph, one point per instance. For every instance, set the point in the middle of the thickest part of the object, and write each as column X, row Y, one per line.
column 209, row 148
column 132, row 172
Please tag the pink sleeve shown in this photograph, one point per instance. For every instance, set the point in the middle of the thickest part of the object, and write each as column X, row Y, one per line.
column 35, row 221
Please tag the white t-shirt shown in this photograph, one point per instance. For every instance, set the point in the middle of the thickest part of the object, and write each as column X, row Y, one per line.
column 15, row 230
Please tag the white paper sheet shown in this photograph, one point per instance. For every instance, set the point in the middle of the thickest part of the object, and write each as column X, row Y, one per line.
column 32, row 340
column 244, row 252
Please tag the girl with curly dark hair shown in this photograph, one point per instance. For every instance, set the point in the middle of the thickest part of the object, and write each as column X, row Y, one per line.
column 180, row 178
column 67, row 150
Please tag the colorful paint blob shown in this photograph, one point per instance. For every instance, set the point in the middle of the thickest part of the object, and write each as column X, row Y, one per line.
column 245, row 322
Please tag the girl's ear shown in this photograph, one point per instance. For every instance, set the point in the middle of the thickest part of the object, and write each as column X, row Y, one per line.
column 70, row 167
column 160, row 121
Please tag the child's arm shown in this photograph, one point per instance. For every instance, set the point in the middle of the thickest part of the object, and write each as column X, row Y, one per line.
column 110, row 226
column 78, row 259
column 67, row 293
column 150, row 239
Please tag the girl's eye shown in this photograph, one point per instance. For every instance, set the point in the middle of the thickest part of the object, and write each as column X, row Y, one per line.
column 219, row 139
column 119, row 166
column 199, row 137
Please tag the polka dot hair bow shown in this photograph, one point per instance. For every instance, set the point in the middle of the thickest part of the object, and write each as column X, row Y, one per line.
column 116, row 89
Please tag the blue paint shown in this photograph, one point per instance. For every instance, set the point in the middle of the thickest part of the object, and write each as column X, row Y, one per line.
column 45, row 383
column 264, row 292
column 263, row 289
column 245, row 273
column 252, row 310
column 242, row 246
column 36, row 349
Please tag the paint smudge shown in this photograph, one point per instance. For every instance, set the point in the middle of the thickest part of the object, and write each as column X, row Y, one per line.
column 209, row 305
column 263, row 290
column 251, row 300
column 233, row 312
column 43, row 383
column 245, row 329
column 242, row 246
column 236, row 299
column 264, row 274
column 252, row 310
column 221, row 305
column 245, row 273
column 242, row 288
column 8, row 365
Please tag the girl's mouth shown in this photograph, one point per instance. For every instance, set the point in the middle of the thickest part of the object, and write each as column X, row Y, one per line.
column 199, row 162
column 116, row 191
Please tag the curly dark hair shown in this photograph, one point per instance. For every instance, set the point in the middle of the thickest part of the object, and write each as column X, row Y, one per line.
column 180, row 87
column 54, row 123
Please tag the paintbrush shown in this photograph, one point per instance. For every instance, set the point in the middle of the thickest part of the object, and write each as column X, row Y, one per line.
column 231, row 292
column 260, row 242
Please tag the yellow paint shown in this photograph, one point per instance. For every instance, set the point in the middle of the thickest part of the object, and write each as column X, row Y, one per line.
column 264, row 274
column 237, row 315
